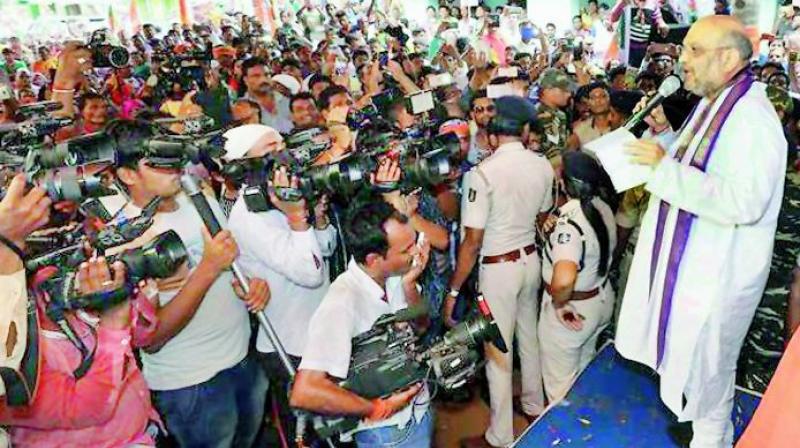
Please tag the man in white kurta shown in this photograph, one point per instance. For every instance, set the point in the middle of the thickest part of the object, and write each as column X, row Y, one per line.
column 725, row 260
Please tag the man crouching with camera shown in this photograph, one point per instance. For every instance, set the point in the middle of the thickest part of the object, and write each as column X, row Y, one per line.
column 381, row 278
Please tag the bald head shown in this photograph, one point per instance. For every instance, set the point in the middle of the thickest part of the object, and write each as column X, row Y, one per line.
column 725, row 31
column 714, row 51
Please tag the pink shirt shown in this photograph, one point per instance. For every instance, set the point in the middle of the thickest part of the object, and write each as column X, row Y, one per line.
column 108, row 407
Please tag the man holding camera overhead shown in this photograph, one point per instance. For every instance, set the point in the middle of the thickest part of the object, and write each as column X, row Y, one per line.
column 503, row 197
column 381, row 278
column 285, row 247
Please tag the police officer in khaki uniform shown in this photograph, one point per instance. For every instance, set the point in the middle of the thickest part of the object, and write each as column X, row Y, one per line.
column 555, row 91
column 503, row 197
column 578, row 302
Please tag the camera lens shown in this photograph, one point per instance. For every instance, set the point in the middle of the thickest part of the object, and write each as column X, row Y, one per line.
column 159, row 258
column 118, row 57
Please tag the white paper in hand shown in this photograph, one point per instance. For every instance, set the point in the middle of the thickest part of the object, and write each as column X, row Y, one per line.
column 610, row 151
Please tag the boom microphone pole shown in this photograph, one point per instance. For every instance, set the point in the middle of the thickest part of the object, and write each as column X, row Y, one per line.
column 192, row 189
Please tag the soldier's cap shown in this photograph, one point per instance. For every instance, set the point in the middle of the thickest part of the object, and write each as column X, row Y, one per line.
column 512, row 113
column 553, row 78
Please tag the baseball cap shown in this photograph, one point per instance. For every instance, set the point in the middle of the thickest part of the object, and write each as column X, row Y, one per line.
column 240, row 140
column 287, row 81
column 554, row 78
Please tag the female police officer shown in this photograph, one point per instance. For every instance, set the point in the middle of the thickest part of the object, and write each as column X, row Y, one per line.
column 577, row 302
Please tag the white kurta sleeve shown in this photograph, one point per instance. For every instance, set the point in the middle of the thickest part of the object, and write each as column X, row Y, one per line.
column 295, row 255
column 742, row 173
column 327, row 240
column 549, row 175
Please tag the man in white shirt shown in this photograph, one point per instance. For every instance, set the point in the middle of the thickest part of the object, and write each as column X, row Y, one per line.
column 281, row 246
column 209, row 392
column 380, row 279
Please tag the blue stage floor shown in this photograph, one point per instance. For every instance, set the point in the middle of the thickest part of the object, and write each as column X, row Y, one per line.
column 615, row 404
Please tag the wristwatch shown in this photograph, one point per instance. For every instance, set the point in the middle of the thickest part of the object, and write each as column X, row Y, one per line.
column 453, row 293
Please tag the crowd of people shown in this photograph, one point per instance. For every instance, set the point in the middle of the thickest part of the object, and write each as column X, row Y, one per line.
column 526, row 215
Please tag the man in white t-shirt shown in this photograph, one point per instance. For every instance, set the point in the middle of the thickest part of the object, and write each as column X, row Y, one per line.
column 207, row 390
column 380, row 279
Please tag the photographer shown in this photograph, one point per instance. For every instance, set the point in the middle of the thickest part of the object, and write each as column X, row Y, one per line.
column 284, row 248
column 381, row 278
column 110, row 405
column 20, row 214
column 207, row 388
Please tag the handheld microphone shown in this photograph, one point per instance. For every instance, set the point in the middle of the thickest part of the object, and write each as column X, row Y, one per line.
column 669, row 86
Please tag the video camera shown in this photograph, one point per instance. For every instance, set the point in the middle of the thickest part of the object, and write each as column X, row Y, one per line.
column 69, row 170
column 58, row 254
column 424, row 162
column 19, row 138
column 186, row 69
column 38, row 110
column 159, row 258
column 389, row 357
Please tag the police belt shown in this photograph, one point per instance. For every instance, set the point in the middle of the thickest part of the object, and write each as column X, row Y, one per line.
column 514, row 255
column 576, row 295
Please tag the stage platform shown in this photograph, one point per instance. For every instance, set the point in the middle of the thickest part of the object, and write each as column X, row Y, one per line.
column 614, row 403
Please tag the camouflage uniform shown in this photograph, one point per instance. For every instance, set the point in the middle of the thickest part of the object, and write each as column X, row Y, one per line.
column 629, row 216
column 553, row 123
column 764, row 342
column 554, row 131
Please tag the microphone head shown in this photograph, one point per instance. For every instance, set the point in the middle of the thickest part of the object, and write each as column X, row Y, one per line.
column 670, row 85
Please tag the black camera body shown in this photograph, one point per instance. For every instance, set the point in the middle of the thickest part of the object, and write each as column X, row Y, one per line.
column 389, row 357
column 104, row 54
column 185, row 69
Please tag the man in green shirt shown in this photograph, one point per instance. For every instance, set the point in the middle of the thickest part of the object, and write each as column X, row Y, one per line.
column 555, row 90
column 10, row 64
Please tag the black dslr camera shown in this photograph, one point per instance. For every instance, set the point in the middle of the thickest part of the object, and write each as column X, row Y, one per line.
column 104, row 54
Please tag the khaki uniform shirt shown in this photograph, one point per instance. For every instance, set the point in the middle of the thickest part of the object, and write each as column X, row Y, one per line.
column 503, row 196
